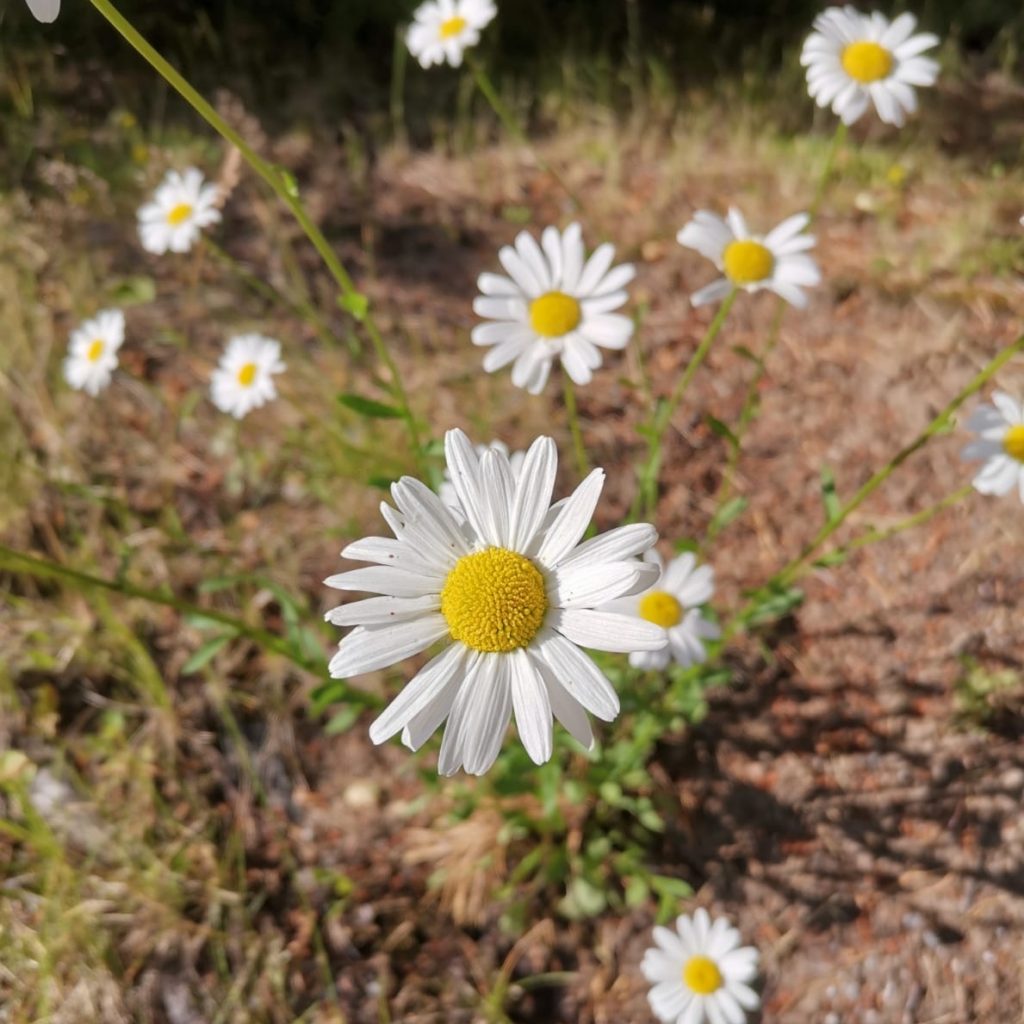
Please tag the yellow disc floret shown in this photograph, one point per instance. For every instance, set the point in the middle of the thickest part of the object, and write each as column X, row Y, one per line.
column 661, row 608
column 554, row 314
column 95, row 350
column 247, row 374
column 747, row 261
column 1013, row 442
column 867, row 62
column 452, row 27
column 701, row 975
column 494, row 600
column 179, row 214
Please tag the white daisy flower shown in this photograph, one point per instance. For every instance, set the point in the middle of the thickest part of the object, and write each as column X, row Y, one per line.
column 180, row 208
column 443, row 29
column 446, row 492
column 92, row 352
column 244, row 378
column 511, row 592
column 700, row 972
column 1000, row 427
column 776, row 261
column 44, row 10
column 855, row 59
column 673, row 602
column 552, row 305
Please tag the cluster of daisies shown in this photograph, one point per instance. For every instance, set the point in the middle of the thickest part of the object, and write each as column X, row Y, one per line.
column 172, row 221
column 502, row 583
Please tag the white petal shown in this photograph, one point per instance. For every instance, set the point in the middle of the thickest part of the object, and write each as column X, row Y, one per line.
column 421, row 690
column 572, row 521
column 592, row 584
column 478, row 719
column 566, row 708
column 534, row 485
column 712, row 292
column 582, row 679
column 607, row 631
column 532, row 707
column 383, row 579
column 377, row 611
column 364, row 650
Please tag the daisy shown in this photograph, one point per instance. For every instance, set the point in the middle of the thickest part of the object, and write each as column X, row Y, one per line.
column 700, row 972
column 443, row 29
column 673, row 602
column 776, row 261
column 552, row 305
column 243, row 380
column 511, row 593
column 446, row 492
column 44, row 10
column 1000, row 427
column 854, row 59
column 180, row 208
column 92, row 352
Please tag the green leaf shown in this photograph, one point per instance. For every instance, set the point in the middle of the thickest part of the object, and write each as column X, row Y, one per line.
column 686, row 544
column 829, row 497
column 342, row 720
column 355, row 304
column 382, row 483
column 204, row 654
column 731, row 510
column 291, row 186
column 742, row 350
column 133, row 291
column 723, row 430
column 369, row 407
column 637, row 891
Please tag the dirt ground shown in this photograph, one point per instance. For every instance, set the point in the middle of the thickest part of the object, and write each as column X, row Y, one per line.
column 852, row 800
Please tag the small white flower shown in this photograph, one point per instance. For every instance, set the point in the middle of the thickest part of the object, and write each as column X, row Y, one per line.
column 443, row 29
column 44, row 10
column 776, row 261
column 244, row 379
column 552, row 305
column 673, row 602
column 92, row 352
column 180, row 208
column 855, row 59
column 446, row 492
column 1000, row 427
column 511, row 592
column 699, row 972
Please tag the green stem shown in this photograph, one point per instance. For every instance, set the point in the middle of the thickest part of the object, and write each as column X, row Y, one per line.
column 874, row 535
column 512, row 126
column 282, row 185
column 797, row 565
column 838, row 141
column 582, row 462
column 43, row 569
column 648, row 475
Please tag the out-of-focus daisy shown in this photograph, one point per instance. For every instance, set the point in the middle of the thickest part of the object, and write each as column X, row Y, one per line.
column 446, row 491
column 92, row 351
column 673, row 602
column 552, row 305
column 1000, row 443
column 180, row 208
column 443, row 29
column 511, row 592
column 244, row 378
column 855, row 59
column 44, row 10
column 700, row 972
column 777, row 261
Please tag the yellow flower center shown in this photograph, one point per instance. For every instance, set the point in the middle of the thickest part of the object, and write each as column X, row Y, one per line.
column 95, row 350
column 452, row 27
column 247, row 374
column 554, row 314
column 747, row 262
column 494, row 600
column 179, row 214
column 867, row 62
column 701, row 975
column 661, row 608
column 1013, row 442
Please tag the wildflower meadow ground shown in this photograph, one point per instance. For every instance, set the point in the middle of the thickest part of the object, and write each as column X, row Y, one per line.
column 529, row 554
